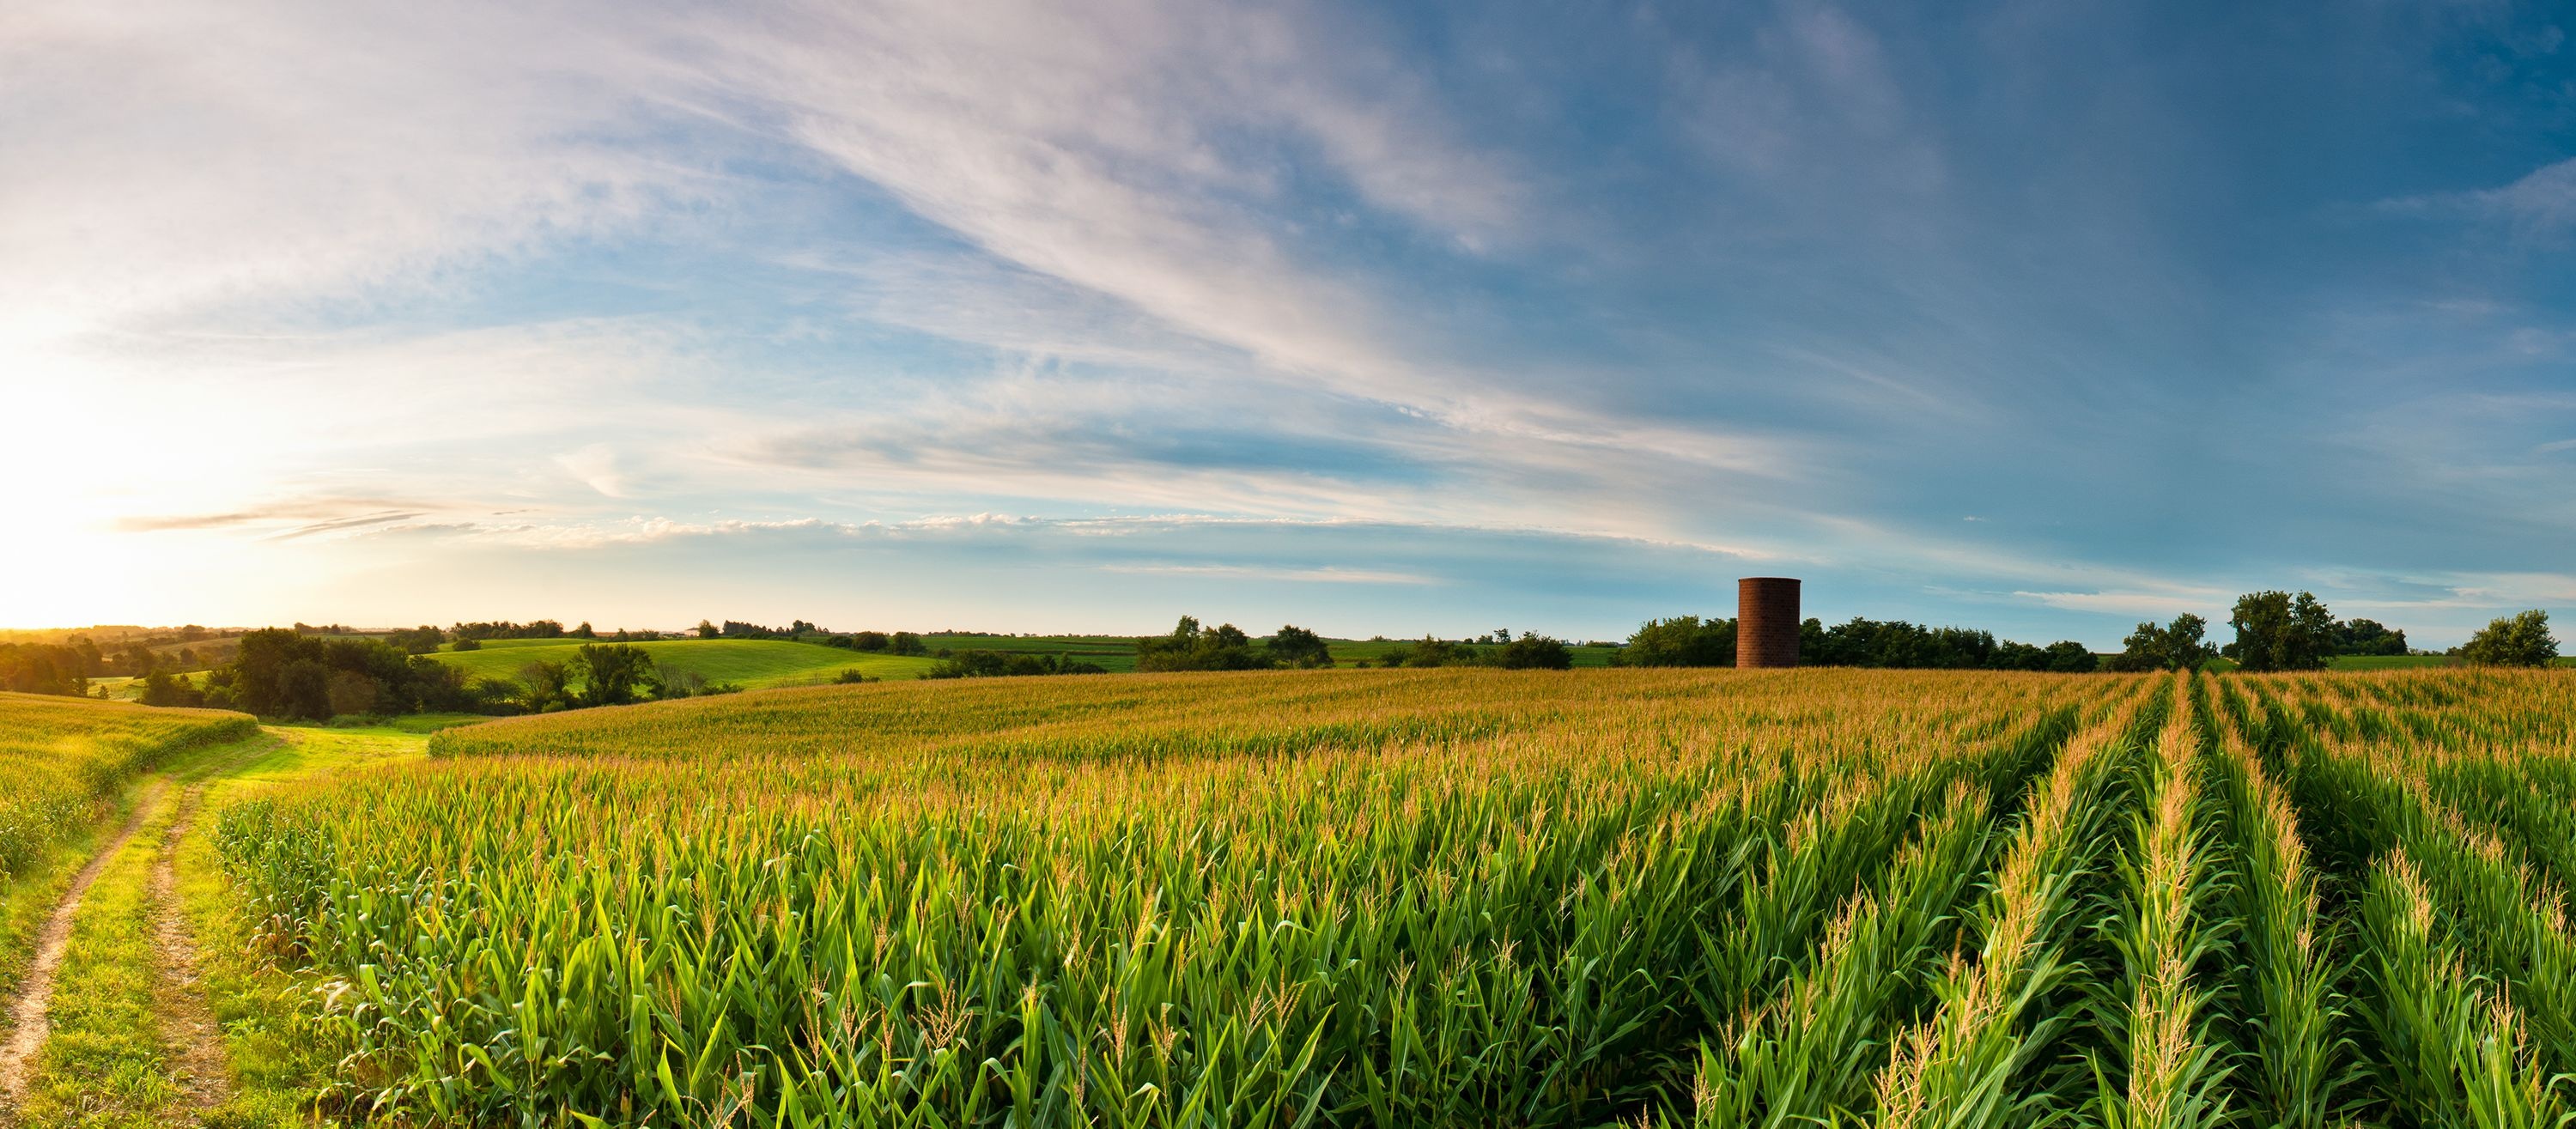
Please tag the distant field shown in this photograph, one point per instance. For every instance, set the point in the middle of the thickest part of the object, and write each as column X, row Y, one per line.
column 749, row 663
column 1118, row 652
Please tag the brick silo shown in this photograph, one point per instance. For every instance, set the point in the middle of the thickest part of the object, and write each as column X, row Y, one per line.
column 1766, row 621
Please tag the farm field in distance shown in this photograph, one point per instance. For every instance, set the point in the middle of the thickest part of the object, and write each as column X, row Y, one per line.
column 1457, row 897
column 749, row 663
column 1117, row 653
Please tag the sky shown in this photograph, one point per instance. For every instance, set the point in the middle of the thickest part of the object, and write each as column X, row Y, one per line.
column 2045, row 316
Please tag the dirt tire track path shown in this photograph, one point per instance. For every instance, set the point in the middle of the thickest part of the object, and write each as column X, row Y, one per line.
column 28, row 1024
column 197, row 1062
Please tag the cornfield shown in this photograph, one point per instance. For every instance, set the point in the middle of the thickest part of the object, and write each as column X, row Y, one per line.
column 63, row 761
column 1459, row 898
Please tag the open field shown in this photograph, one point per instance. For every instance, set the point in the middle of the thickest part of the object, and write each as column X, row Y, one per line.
column 1386, row 898
column 1462, row 898
column 1117, row 653
column 750, row 663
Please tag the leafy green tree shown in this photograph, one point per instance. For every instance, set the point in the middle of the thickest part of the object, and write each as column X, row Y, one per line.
column 419, row 640
column 2066, row 656
column 907, row 643
column 2177, row 646
column 1192, row 647
column 2368, row 637
column 1429, row 652
column 2276, row 631
column 1296, row 646
column 708, row 630
column 161, row 688
column 614, row 674
column 1535, row 652
column 549, row 685
column 868, row 641
column 42, row 668
column 1684, row 640
column 2521, row 639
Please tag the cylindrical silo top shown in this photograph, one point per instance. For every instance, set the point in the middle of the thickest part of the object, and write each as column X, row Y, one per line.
column 1766, row 621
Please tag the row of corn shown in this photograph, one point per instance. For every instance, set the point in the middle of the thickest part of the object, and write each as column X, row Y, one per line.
column 1460, row 898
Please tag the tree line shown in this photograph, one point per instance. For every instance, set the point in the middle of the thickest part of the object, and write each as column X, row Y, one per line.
column 1692, row 641
column 285, row 674
column 2276, row 630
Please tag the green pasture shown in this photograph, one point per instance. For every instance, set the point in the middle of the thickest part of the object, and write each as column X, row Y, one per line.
column 749, row 663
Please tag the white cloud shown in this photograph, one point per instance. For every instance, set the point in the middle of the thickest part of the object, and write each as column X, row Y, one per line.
column 171, row 156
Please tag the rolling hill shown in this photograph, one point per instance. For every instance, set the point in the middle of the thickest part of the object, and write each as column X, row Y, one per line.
column 749, row 663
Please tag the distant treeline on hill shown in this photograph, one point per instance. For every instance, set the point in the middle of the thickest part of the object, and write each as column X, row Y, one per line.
column 65, row 667
column 292, row 675
column 1691, row 641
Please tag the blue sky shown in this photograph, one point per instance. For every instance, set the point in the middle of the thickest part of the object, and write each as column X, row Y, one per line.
column 2043, row 317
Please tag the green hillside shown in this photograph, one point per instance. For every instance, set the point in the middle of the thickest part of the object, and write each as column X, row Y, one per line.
column 749, row 663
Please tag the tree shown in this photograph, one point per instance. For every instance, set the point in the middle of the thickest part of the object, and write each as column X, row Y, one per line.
column 613, row 673
column 2174, row 647
column 1535, row 652
column 352, row 693
column 469, row 644
column 161, row 688
column 2368, row 637
column 1191, row 647
column 1684, row 640
column 42, row 668
column 584, row 631
column 2066, row 656
column 1296, row 646
column 868, row 641
column 907, row 643
column 1429, row 652
column 419, row 640
column 2275, row 631
column 2522, row 639
column 707, row 630
column 549, row 685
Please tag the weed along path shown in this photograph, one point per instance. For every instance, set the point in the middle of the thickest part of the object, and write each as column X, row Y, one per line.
column 114, row 1024
column 29, row 1014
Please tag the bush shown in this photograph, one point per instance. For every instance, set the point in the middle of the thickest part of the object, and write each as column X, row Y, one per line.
column 1684, row 640
column 2522, row 639
column 1006, row 664
column 1191, row 647
column 1535, row 652
column 1296, row 646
